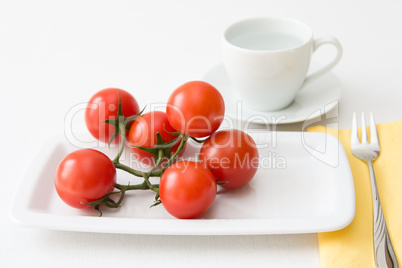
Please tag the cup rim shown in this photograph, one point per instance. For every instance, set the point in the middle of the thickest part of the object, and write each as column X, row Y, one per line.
column 276, row 18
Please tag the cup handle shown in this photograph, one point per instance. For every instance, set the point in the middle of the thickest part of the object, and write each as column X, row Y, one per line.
column 317, row 43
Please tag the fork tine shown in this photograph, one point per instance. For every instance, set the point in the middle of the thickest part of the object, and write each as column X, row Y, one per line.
column 354, row 135
column 373, row 130
column 364, row 130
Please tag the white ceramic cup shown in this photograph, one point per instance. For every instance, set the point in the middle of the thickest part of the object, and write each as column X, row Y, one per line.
column 267, row 60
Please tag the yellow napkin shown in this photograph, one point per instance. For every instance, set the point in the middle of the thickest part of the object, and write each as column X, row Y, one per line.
column 353, row 246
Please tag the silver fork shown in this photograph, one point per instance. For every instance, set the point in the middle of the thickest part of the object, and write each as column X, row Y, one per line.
column 384, row 252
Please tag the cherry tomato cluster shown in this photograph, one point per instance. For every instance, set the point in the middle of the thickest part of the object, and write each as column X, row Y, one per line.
column 186, row 189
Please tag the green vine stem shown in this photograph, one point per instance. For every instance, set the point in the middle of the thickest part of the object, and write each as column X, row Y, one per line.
column 141, row 186
column 184, row 138
column 161, row 151
column 146, row 177
column 130, row 170
column 122, row 129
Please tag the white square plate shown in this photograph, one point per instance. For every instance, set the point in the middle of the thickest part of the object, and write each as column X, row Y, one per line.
column 304, row 185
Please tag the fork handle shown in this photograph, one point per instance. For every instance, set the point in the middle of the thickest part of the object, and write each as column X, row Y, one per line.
column 384, row 252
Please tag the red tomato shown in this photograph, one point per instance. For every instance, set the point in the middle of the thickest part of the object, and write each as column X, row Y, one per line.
column 104, row 106
column 232, row 155
column 143, row 133
column 84, row 175
column 187, row 189
column 196, row 109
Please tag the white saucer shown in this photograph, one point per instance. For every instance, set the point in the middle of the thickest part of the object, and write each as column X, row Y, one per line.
column 313, row 101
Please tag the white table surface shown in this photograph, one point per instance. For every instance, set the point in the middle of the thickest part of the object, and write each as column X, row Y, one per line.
column 56, row 54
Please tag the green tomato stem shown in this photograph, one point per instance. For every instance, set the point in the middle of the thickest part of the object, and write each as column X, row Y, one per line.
column 141, row 186
column 157, row 163
column 159, row 172
column 130, row 170
column 122, row 130
column 156, row 171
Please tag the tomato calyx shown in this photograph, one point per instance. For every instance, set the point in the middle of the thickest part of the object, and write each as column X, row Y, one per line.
column 107, row 201
column 121, row 123
column 176, row 133
column 161, row 149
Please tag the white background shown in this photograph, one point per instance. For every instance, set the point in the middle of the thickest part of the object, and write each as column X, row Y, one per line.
column 56, row 54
